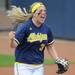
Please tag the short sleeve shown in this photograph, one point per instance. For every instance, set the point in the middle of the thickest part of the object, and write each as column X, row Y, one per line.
column 50, row 37
column 20, row 33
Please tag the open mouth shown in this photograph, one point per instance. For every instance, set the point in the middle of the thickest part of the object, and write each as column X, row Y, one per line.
column 42, row 17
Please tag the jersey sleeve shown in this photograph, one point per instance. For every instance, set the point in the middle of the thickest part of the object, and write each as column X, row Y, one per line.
column 50, row 37
column 20, row 33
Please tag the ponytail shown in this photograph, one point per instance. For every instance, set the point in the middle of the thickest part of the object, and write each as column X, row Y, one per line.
column 16, row 14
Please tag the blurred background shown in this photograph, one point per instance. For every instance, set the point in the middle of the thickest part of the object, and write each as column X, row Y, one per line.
column 61, row 16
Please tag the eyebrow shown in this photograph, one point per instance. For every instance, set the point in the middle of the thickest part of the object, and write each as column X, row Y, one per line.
column 39, row 11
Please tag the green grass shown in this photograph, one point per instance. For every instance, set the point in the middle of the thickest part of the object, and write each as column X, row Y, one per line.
column 48, row 61
column 7, row 60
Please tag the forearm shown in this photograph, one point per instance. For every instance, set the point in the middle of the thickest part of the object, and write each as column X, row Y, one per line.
column 52, row 52
column 12, row 43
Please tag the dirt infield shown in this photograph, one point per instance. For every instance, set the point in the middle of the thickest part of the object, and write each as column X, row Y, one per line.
column 64, row 49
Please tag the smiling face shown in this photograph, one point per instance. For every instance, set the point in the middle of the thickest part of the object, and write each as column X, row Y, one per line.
column 40, row 15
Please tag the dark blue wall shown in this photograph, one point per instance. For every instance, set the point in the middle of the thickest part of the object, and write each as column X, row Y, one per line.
column 61, row 15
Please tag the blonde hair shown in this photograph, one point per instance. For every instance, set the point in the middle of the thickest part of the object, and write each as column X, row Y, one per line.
column 17, row 15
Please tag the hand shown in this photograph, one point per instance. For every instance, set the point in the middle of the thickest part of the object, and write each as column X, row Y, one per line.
column 11, row 35
column 63, row 65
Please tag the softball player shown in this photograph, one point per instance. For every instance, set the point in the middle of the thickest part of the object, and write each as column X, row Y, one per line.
column 30, row 40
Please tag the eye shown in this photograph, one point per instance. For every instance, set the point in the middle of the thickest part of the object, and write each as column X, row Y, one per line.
column 41, row 12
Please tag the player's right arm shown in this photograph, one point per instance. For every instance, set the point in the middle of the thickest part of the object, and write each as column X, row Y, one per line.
column 12, row 42
column 16, row 38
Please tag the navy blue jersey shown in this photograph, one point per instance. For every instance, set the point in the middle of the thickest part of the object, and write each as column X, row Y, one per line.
column 31, row 42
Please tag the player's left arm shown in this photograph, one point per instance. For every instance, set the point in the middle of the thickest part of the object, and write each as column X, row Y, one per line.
column 52, row 52
column 61, row 63
column 50, row 44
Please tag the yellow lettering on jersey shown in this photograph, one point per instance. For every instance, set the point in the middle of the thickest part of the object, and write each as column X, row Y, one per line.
column 37, row 37
column 42, row 47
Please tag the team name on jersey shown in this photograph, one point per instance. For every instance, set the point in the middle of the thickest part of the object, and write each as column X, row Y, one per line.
column 36, row 37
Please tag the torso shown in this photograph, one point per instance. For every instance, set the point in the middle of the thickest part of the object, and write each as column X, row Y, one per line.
column 31, row 49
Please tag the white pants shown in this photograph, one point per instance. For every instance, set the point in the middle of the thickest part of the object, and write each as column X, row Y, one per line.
column 26, row 69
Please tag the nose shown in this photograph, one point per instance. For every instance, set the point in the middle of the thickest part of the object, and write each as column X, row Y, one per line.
column 43, row 12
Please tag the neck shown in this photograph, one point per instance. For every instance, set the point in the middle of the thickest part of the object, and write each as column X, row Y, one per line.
column 36, row 23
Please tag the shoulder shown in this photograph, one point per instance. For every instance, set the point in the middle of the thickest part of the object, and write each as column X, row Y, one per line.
column 25, row 25
column 47, row 27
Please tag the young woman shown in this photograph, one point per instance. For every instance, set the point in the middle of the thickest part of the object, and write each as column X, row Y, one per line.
column 30, row 40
